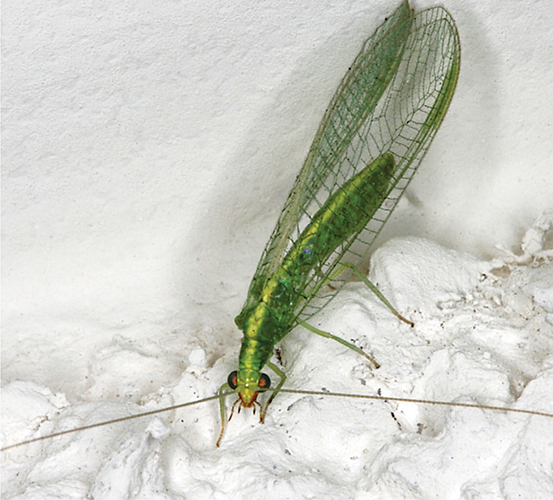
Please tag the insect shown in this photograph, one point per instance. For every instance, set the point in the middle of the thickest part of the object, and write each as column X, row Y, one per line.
column 369, row 144
column 374, row 134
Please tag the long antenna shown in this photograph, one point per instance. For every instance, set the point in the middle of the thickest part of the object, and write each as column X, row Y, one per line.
column 290, row 391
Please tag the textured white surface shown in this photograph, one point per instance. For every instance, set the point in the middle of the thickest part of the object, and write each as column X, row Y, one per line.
column 479, row 338
column 147, row 150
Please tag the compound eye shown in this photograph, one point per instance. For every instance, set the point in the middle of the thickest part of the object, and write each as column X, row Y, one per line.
column 233, row 380
column 264, row 382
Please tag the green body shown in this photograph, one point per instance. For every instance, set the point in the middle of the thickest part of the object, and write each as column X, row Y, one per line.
column 271, row 316
column 371, row 140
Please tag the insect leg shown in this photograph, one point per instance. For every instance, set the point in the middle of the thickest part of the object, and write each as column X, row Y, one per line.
column 222, row 410
column 373, row 288
column 282, row 376
column 328, row 335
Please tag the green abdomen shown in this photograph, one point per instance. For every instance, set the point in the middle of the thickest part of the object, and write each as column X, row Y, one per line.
column 268, row 318
column 345, row 213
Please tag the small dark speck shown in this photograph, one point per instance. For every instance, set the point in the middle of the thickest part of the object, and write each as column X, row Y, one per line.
column 287, row 452
column 379, row 392
column 397, row 421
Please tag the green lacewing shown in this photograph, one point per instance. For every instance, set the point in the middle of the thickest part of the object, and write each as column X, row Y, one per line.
column 377, row 128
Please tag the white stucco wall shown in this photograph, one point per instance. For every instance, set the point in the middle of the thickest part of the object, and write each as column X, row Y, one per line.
column 148, row 147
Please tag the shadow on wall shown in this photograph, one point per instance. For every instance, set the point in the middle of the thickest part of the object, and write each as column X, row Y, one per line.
column 243, row 209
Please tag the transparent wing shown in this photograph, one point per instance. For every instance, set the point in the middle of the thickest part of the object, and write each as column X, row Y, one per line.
column 392, row 99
